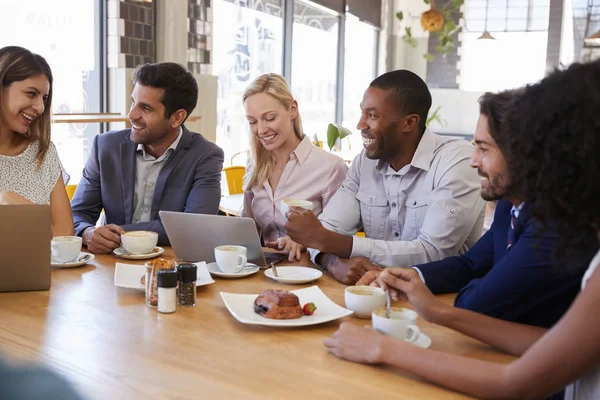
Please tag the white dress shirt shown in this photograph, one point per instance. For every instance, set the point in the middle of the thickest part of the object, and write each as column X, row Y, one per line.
column 426, row 211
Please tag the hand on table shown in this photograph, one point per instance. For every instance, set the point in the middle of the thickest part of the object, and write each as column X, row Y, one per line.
column 103, row 239
column 405, row 284
column 355, row 343
column 288, row 246
column 350, row 270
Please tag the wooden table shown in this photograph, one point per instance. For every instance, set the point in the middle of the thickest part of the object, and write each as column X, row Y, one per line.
column 111, row 345
column 232, row 204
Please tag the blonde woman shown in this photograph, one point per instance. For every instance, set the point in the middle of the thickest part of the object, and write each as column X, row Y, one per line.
column 283, row 162
column 30, row 171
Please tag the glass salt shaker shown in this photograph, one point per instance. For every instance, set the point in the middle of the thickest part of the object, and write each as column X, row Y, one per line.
column 167, row 290
column 186, row 292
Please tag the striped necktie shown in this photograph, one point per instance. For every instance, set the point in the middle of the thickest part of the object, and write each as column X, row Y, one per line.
column 511, row 229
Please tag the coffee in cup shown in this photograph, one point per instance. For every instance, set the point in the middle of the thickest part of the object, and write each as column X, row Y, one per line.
column 65, row 248
column 139, row 242
column 287, row 203
column 364, row 299
column 231, row 258
column 401, row 323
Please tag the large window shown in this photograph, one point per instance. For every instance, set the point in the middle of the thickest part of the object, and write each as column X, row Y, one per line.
column 56, row 30
column 314, row 66
column 248, row 42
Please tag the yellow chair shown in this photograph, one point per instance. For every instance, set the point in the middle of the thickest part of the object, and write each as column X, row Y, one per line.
column 71, row 190
column 235, row 179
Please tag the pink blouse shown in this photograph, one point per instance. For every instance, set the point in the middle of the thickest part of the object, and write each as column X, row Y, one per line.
column 311, row 174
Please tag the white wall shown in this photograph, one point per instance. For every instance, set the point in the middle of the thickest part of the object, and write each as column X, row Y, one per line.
column 459, row 109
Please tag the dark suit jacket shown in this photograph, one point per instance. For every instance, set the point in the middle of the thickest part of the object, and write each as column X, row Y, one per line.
column 190, row 181
column 524, row 284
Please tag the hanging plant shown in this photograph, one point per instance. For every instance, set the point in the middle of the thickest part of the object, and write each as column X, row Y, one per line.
column 440, row 23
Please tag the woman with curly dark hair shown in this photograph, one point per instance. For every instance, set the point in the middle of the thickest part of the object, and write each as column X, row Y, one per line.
column 555, row 157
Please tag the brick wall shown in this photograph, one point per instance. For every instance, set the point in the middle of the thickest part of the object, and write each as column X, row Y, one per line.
column 131, row 33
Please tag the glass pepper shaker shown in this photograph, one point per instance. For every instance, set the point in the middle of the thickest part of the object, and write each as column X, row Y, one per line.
column 167, row 290
column 186, row 292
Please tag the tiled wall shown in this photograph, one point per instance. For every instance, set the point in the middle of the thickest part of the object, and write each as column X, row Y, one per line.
column 200, row 15
column 131, row 33
column 443, row 71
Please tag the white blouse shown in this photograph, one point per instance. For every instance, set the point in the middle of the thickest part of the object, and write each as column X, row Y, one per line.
column 20, row 174
column 588, row 386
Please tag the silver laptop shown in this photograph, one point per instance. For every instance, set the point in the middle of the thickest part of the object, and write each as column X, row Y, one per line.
column 25, row 236
column 195, row 236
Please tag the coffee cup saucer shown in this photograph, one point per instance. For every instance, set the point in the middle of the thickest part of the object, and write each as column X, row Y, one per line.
column 121, row 252
column 82, row 259
column 248, row 270
column 423, row 341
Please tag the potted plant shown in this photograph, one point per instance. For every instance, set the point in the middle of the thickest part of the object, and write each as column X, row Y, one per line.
column 335, row 132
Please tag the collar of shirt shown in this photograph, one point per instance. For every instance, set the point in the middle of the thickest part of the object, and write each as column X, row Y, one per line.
column 516, row 210
column 421, row 159
column 303, row 149
column 172, row 147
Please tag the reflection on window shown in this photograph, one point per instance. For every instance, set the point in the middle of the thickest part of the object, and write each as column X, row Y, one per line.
column 65, row 36
column 314, row 67
column 248, row 42
column 360, row 70
column 512, row 60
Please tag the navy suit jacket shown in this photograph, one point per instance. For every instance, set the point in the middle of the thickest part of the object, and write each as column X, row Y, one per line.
column 190, row 181
column 524, row 284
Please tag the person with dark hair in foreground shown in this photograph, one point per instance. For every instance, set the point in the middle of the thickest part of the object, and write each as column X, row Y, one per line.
column 554, row 148
column 155, row 165
column 511, row 272
column 413, row 192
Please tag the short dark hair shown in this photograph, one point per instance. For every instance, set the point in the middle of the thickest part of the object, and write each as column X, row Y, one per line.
column 496, row 106
column 408, row 91
column 180, row 86
column 555, row 149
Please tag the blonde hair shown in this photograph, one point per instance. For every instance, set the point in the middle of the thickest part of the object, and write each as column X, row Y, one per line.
column 262, row 161
column 18, row 64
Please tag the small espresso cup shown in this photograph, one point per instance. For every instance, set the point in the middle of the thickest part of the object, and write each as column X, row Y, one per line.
column 139, row 242
column 363, row 300
column 65, row 248
column 287, row 203
column 401, row 324
column 230, row 258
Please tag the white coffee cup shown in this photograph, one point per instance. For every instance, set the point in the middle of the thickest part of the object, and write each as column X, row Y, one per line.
column 139, row 242
column 65, row 248
column 401, row 323
column 364, row 299
column 230, row 258
column 287, row 203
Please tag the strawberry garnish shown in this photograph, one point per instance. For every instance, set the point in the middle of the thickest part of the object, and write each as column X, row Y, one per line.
column 309, row 308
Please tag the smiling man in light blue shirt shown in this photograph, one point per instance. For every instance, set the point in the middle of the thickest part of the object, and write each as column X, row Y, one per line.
column 413, row 192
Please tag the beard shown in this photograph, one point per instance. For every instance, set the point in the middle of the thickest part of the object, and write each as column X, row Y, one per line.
column 498, row 187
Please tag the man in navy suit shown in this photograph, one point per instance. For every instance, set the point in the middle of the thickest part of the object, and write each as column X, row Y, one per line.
column 510, row 273
column 156, row 165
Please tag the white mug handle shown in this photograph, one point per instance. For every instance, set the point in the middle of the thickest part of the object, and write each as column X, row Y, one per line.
column 242, row 262
column 412, row 333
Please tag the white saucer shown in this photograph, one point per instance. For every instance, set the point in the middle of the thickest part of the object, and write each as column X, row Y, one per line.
column 121, row 252
column 82, row 259
column 130, row 275
column 423, row 341
column 294, row 275
column 249, row 269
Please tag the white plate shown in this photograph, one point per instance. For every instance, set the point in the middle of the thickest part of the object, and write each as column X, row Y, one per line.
column 82, row 259
column 130, row 276
column 121, row 252
column 241, row 306
column 249, row 269
column 294, row 274
column 423, row 341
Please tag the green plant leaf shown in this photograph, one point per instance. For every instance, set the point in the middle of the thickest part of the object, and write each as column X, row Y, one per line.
column 429, row 57
column 335, row 132
column 400, row 16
